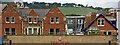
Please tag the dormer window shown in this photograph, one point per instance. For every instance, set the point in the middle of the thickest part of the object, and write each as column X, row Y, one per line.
column 35, row 20
column 12, row 20
column 7, row 19
column 51, row 20
column 101, row 22
column 29, row 20
column 57, row 20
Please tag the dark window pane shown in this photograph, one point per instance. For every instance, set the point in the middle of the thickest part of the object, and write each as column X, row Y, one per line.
column 57, row 31
column 7, row 31
column 7, row 19
column 13, row 31
column 13, row 19
column 102, row 22
column 51, row 31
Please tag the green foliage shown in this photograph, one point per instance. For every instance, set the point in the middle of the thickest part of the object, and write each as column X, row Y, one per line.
column 76, row 10
column 106, row 9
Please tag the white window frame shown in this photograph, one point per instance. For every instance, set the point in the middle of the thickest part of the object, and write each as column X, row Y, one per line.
column 37, row 30
column 35, row 21
column 100, row 22
column 28, row 31
column 32, row 30
column 80, row 21
column 50, row 20
column 12, row 19
column 57, row 20
column 29, row 19
column 6, row 20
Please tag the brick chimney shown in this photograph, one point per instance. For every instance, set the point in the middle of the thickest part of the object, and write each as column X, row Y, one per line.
column 93, row 16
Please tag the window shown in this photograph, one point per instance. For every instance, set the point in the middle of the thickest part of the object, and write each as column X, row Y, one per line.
column 57, row 20
column 7, row 20
column 80, row 21
column 70, row 21
column 29, row 31
column 35, row 31
column 51, row 20
column 7, row 31
column 51, row 31
column 12, row 20
column 13, row 31
column 70, row 30
column 100, row 22
column 107, row 33
column 35, row 20
column 30, row 20
column 57, row 31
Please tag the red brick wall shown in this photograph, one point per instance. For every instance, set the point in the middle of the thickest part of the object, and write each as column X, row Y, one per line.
column 16, row 25
column 54, row 12
column 106, row 26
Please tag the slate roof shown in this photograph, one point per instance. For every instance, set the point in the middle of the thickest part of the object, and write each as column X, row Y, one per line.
column 40, row 12
column 96, row 19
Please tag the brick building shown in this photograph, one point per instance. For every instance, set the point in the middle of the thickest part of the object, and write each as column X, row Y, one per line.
column 54, row 22
column 11, row 23
column 100, row 25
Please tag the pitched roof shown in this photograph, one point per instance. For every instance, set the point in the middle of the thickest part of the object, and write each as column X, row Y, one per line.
column 40, row 12
column 96, row 19
column 23, row 12
column 32, row 13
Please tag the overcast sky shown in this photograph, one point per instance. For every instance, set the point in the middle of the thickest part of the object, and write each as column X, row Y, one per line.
column 94, row 3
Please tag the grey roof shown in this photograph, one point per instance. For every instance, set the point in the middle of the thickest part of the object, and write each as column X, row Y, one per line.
column 40, row 12
column 24, row 12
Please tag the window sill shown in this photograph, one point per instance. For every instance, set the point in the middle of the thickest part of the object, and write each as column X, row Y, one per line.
column 34, row 22
column 52, row 23
column 12, row 22
column 57, row 22
column 100, row 25
column 7, row 22
column 29, row 22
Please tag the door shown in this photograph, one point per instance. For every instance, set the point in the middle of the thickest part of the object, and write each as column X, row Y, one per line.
column 51, row 31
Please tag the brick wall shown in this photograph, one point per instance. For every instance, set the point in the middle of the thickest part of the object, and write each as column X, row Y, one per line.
column 70, row 39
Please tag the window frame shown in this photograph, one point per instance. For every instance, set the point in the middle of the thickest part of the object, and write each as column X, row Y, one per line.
column 7, row 33
column 29, row 32
column 34, row 30
column 70, row 21
column 57, row 19
column 80, row 21
column 35, row 20
column 12, row 31
column 8, row 19
column 29, row 20
column 101, row 21
column 12, row 20
column 51, row 19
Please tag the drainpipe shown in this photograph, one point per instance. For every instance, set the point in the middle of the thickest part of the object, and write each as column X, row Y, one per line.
column 22, row 27
column 42, row 27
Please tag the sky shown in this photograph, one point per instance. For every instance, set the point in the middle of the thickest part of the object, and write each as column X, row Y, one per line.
column 94, row 3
